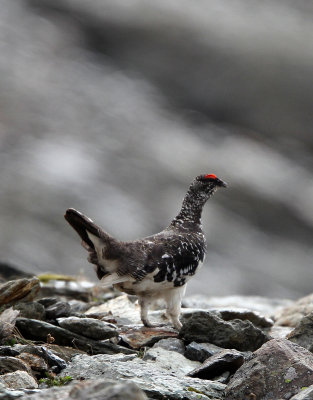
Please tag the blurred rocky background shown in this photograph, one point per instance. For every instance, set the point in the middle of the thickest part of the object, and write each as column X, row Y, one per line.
column 113, row 106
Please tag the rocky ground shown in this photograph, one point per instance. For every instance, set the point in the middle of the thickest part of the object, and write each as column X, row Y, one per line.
column 64, row 339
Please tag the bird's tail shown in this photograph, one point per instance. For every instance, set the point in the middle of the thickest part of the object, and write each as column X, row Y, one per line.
column 85, row 227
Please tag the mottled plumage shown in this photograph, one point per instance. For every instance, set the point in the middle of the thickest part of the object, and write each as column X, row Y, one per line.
column 157, row 266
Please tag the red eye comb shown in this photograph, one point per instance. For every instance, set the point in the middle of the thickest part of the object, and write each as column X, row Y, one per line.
column 210, row 176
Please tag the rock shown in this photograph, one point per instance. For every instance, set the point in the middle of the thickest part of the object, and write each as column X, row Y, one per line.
column 55, row 362
column 155, row 380
column 89, row 327
column 8, row 351
column 279, row 332
column 57, row 310
column 265, row 306
column 205, row 326
column 108, row 390
column 7, row 322
column 97, row 389
column 292, row 314
column 20, row 289
column 35, row 362
column 9, row 394
column 303, row 333
column 240, row 313
column 171, row 344
column 11, row 364
column 47, row 301
column 78, row 306
column 201, row 351
column 304, row 394
column 141, row 336
column 125, row 311
column 39, row 330
column 40, row 358
column 224, row 361
column 32, row 309
column 279, row 370
column 18, row 380
column 173, row 362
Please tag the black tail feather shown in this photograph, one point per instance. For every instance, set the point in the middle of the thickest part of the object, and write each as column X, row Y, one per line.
column 82, row 224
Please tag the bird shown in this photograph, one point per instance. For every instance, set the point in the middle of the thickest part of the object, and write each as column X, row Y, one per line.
column 157, row 266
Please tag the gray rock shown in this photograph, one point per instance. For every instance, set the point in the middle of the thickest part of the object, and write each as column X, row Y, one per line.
column 157, row 381
column 173, row 362
column 32, row 309
column 57, row 310
column 18, row 380
column 11, row 364
column 224, row 361
column 21, row 289
column 201, row 351
column 171, row 344
column 78, row 306
column 292, row 313
column 8, row 394
column 303, row 333
column 256, row 318
column 98, row 389
column 204, row 326
column 48, row 301
column 279, row 370
column 7, row 322
column 305, row 394
column 39, row 330
column 89, row 327
column 141, row 336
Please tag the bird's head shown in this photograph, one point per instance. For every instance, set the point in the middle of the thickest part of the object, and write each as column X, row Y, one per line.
column 207, row 184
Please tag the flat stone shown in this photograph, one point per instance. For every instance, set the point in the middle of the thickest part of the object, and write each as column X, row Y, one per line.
column 157, row 381
column 303, row 333
column 57, row 310
column 228, row 360
column 11, row 364
column 205, row 326
column 173, row 362
column 278, row 370
column 89, row 327
column 141, row 336
column 125, row 311
column 292, row 314
column 18, row 380
column 171, row 344
column 305, row 394
column 96, row 389
column 39, row 330
column 201, row 351
column 9, row 394
column 36, row 362
column 20, row 289
column 32, row 309
column 7, row 322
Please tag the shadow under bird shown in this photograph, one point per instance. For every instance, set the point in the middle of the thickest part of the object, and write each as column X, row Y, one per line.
column 157, row 266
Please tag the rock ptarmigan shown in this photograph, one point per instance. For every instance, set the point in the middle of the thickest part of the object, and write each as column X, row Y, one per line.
column 157, row 266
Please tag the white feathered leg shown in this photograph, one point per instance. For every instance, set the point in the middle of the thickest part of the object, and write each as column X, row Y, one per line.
column 173, row 305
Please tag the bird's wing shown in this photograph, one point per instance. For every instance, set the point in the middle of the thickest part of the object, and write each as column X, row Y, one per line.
column 175, row 258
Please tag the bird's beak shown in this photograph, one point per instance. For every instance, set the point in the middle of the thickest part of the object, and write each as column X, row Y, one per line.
column 220, row 183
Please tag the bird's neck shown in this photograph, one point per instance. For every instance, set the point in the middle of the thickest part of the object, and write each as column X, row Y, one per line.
column 191, row 209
